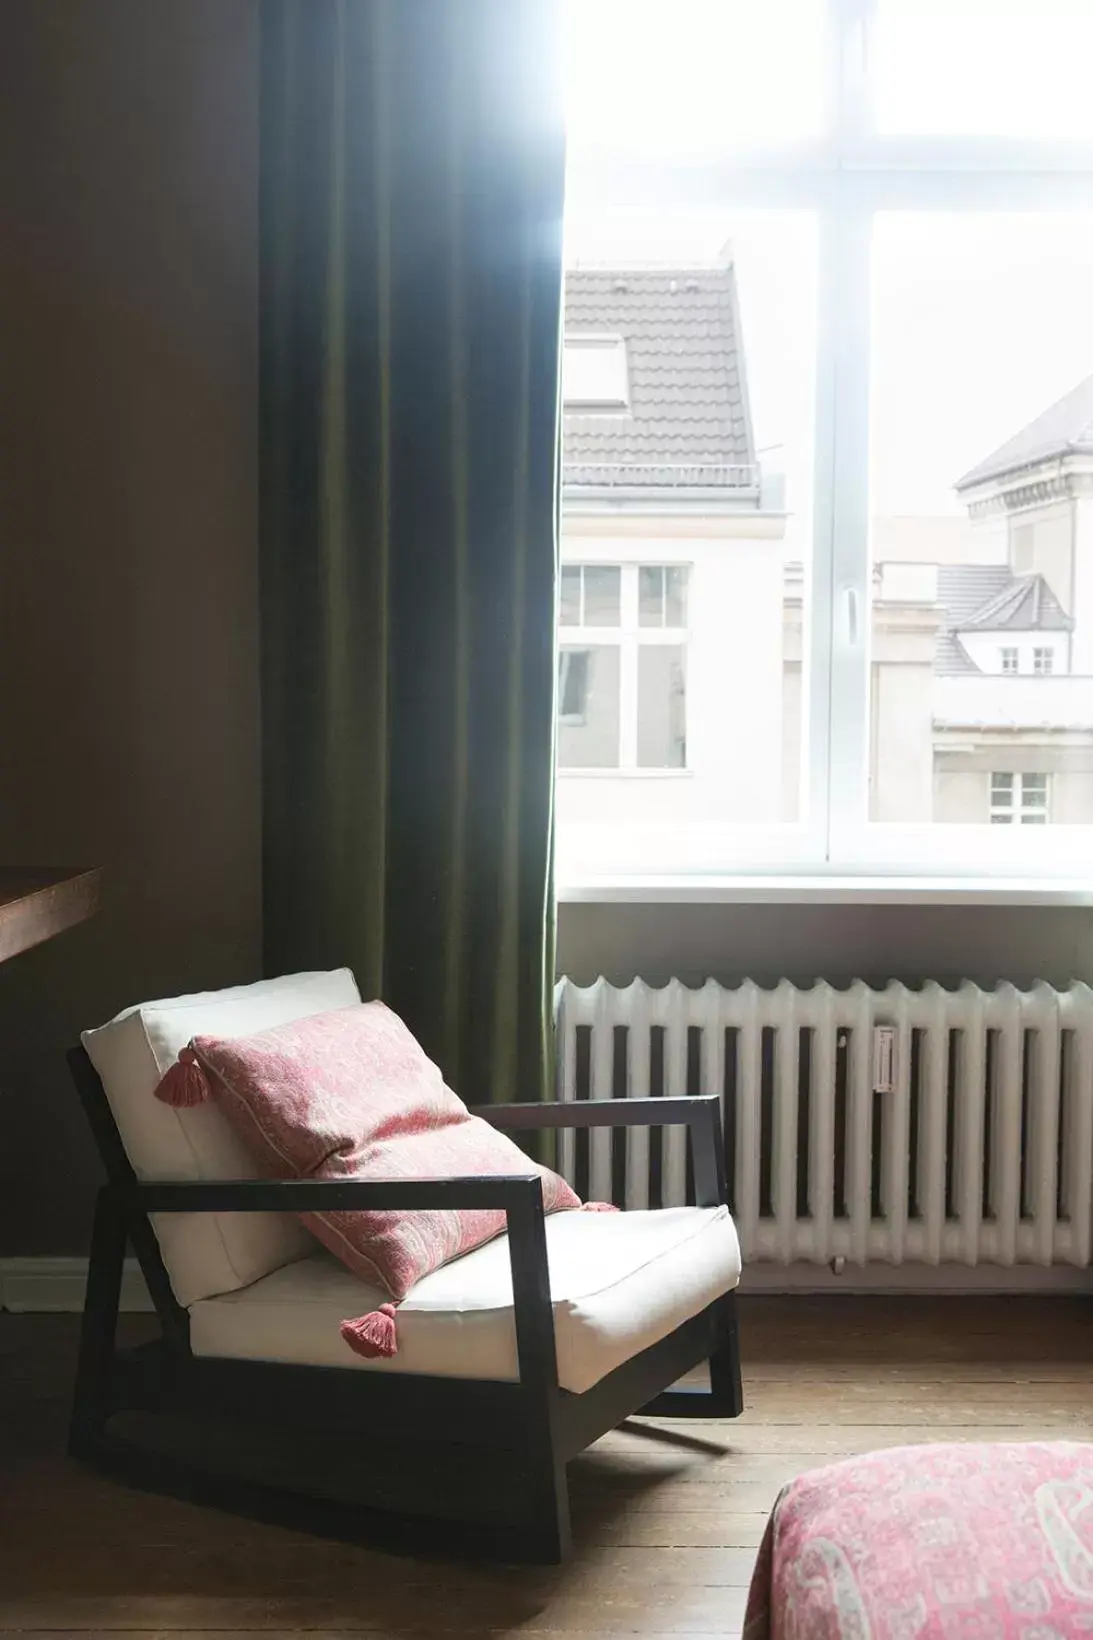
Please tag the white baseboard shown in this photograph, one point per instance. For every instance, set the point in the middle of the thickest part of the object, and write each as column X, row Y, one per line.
column 56, row 1285
column 926, row 1280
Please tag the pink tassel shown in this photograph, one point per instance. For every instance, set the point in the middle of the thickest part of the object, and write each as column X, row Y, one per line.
column 184, row 1084
column 374, row 1334
column 600, row 1207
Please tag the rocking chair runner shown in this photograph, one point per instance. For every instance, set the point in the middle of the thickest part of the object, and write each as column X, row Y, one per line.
column 529, row 1420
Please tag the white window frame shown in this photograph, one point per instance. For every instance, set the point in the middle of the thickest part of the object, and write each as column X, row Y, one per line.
column 1043, row 662
column 1021, row 799
column 1010, row 661
column 629, row 637
column 847, row 176
column 592, row 403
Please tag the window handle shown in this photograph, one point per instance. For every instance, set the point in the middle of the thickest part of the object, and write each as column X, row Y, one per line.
column 852, row 624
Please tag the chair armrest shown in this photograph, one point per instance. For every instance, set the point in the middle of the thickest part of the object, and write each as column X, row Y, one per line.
column 518, row 1195
column 700, row 1113
column 694, row 1110
column 486, row 1193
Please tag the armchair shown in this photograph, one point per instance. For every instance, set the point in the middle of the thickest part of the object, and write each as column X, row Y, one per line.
column 529, row 1348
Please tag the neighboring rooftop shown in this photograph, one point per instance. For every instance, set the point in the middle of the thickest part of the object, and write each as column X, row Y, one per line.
column 686, row 422
column 990, row 598
column 1026, row 605
column 1064, row 429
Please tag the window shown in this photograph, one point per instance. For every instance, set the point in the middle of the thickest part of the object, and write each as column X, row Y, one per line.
column 798, row 232
column 662, row 596
column 594, row 373
column 590, row 595
column 1019, row 799
column 622, row 698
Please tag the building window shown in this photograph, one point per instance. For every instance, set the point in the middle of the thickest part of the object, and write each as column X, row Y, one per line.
column 590, row 595
column 1019, row 799
column 594, row 374
column 1043, row 662
column 622, row 667
column 662, row 595
column 1009, row 660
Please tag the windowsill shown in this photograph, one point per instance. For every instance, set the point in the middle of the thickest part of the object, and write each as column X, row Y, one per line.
column 827, row 890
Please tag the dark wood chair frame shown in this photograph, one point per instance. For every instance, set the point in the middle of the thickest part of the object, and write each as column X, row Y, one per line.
column 537, row 1425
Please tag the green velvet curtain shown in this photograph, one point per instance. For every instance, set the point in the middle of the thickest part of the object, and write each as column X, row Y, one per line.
column 411, row 273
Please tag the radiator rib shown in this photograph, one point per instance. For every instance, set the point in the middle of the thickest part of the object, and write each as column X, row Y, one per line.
column 636, row 1003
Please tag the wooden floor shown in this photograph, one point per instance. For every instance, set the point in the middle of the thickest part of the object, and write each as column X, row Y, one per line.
column 667, row 1518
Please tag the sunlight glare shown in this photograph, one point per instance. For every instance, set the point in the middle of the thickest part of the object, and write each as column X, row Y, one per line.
column 694, row 76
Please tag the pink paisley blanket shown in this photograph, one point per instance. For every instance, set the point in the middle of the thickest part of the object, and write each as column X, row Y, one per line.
column 991, row 1542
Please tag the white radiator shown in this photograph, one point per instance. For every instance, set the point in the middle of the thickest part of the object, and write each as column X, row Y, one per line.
column 897, row 1125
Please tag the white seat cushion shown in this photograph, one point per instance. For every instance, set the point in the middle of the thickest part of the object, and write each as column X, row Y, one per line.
column 204, row 1253
column 619, row 1282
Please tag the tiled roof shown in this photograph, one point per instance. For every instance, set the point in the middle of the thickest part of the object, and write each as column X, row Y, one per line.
column 1064, row 429
column 688, row 423
column 989, row 597
column 1026, row 605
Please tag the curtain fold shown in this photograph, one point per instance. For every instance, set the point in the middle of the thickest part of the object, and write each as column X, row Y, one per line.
column 412, row 191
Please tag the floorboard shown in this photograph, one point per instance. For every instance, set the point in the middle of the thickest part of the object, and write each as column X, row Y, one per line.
column 667, row 1516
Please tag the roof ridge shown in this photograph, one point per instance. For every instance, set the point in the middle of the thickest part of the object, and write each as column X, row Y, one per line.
column 1026, row 603
column 1021, row 450
column 651, row 264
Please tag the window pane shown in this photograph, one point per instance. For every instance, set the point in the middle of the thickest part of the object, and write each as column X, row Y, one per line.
column 733, row 576
column 650, row 596
column 594, row 373
column 651, row 78
column 982, row 623
column 981, row 68
column 675, row 597
column 662, row 707
column 569, row 598
column 588, row 707
column 601, row 595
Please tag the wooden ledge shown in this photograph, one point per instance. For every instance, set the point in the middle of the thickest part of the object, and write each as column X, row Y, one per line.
column 38, row 902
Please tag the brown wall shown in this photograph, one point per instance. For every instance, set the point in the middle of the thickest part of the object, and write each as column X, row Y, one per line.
column 836, row 943
column 128, row 661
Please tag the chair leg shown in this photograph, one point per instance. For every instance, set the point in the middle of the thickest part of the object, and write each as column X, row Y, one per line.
column 550, row 1540
column 91, row 1400
column 725, row 1396
column 725, row 1384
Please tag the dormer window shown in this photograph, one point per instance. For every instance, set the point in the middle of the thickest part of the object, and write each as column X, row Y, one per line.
column 594, row 373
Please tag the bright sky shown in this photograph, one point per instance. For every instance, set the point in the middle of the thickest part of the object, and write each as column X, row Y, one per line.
column 660, row 76
column 980, row 321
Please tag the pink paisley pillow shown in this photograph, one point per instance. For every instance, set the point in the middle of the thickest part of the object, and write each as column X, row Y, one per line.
column 351, row 1095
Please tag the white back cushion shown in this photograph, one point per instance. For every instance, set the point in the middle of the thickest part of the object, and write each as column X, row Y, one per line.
column 205, row 1253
